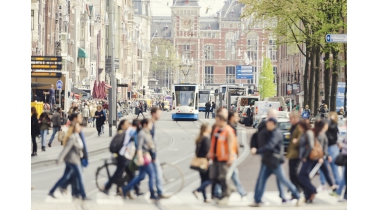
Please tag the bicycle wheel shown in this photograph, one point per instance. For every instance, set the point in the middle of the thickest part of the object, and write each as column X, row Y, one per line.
column 102, row 176
column 173, row 179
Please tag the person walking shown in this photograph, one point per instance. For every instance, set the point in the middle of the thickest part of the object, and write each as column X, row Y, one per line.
column 44, row 122
column 333, row 149
column 35, row 130
column 202, row 144
column 145, row 146
column 56, row 119
column 249, row 119
column 272, row 160
column 140, row 107
column 85, row 114
column 71, row 154
column 207, row 111
column 100, row 118
column 52, row 97
column 221, row 153
column 293, row 150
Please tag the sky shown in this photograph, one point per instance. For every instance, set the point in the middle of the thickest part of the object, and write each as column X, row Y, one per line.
column 160, row 7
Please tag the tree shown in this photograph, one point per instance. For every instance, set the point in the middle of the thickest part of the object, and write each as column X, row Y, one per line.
column 266, row 86
column 160, row 64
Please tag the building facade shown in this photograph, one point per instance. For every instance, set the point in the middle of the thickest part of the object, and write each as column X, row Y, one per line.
column 215, row 45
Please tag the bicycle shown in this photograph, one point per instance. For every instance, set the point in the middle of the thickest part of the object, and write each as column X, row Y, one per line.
column 171, row 176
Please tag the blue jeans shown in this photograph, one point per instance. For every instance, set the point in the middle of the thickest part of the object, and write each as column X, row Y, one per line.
column 342, row 182
column 43, row 137
column 333, row 151
column 143, row 170
column 158, row 176
column 55, row 130
column 235, row 179
column 264, row 174
column 71, row 170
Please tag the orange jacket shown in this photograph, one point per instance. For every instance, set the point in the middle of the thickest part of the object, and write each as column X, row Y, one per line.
column 221, row 152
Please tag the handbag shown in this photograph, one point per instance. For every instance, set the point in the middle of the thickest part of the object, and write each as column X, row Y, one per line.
column 317, row 152
column 61, row 135
column 341, row 160
column 199, row 164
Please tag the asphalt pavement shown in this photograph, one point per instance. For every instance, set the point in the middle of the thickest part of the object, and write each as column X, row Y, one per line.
column 175, row 145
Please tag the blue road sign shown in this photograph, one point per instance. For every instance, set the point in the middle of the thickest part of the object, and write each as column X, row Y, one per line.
column 341, row 38
column 59, row 84
column 244, row 72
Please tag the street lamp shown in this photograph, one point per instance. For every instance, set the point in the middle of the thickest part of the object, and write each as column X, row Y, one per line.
column 288, row 77
column 321, row 93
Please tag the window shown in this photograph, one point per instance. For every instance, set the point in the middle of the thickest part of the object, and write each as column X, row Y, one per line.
column 272, row 50
column 81, row 62
column 209, row 74
column 275, row 74
column 230, row 74
column 252, row 46
column 209, row 52
column 230, row 49
column 32, row 20
column 82, row 33
column 186, row 51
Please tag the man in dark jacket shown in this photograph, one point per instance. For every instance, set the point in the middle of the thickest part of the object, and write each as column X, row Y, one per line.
column 56, row 119
column 249, row 116
column 207, row 111
column 272, row 159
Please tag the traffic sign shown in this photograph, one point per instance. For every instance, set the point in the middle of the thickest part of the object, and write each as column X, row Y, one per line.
column 341, row 38
column 47, row 74
column 47, row 66
column 244, row 72
column 59, row 84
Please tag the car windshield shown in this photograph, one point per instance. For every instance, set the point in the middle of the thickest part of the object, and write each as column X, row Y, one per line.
column 284, row 125
column 184, row 98
column 203, row 98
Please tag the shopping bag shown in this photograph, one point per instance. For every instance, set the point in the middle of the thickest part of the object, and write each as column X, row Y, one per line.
column 61, row 135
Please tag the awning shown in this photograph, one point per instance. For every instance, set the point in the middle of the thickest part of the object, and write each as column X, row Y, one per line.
column 37, row 84
column 77, row 91
column 82, row 53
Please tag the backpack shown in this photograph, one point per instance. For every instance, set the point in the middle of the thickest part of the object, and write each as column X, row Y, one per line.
column 317, row 151
column 305, row 115
column 117, row 143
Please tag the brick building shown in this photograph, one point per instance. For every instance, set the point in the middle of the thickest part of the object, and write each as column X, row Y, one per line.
column 215, row 45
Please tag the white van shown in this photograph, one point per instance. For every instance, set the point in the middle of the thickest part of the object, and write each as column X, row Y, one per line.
column 261, row 107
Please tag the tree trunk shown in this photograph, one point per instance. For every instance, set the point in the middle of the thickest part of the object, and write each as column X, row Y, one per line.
column 317, row 71
column 327, row 78
column 306, row 97
column 334, row 81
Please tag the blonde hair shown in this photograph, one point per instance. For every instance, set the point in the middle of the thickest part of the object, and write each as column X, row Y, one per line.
column 69, row 132
column 334, row 116
column 203, row 129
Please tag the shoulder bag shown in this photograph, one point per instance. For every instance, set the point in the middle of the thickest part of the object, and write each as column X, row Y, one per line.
column 317, row 151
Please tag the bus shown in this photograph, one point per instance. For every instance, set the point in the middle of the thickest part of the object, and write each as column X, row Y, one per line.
column 186, row 102
column 204, row 97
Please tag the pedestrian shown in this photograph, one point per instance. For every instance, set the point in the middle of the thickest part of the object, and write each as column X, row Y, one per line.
column 341, row 111
column 202, row 144
column 249, row 119
column 333, row 149
column 306, row 113
column 35, row 129
column 85, row 114
column 156, row 115
column 140, row 107
column 233, row 119
column 258, row 140
column 324, row 112
column 100, row 118
column 221, row 153
column 343, row 182
column 293, row 150
column 92, row 113
column 52, row 97
column 122, row 162
column 71, row 154
column 76, row 118
column 145, row 146
column 44, row 123
column 145, row 106
column 272, row 160
column 207, row 111
column 56, row 119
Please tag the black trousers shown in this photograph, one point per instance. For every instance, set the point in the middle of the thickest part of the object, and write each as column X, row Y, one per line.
column 99, row 127
column 220, row 175
column 207, row 114
column 34, row 143
column 293, row 175
column 122, row 165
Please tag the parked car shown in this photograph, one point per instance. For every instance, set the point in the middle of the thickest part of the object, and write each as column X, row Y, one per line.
column 284, row 125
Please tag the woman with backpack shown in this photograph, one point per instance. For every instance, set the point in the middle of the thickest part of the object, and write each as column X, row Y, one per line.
column 125, row 131
column 143, row 159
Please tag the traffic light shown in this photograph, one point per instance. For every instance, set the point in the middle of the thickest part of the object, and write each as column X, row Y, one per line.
column 144, row 92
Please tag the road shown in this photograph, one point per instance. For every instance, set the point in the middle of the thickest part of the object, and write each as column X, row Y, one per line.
column 175, row 145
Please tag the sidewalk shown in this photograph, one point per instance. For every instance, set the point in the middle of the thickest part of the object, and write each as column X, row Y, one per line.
column 95, row 144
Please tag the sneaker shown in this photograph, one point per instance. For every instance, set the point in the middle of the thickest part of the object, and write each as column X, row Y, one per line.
column 105, row 191
column 51, row 195
column 257, row 204
column 300, row 202
column 335, row 194
column 223, row 201
column 195, row 193
column 342, row 200
column 244, row 197
column 207, row 201
column 49, row 144
column 285, row 201
column 163, row 196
